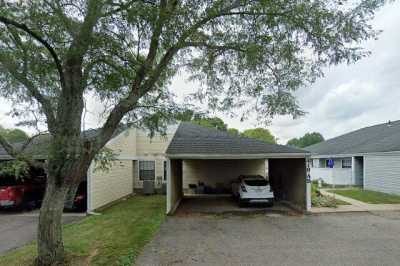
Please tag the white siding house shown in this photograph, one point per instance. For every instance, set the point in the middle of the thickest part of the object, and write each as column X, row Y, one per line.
column 368, row 157
column 342, row 172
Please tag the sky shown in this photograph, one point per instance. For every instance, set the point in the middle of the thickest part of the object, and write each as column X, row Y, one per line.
column 347, row 98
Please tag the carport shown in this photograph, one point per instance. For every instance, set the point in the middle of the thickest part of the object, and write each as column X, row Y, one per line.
column 199, row 155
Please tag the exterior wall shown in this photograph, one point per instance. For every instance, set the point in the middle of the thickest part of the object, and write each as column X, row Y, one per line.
column 156, row 146
column 288, row 180
column 211, row 172
column 382, row 173
column 108, row 186
column 174, row 189
column 337, row 176
column 124, row 145
column 130, row 146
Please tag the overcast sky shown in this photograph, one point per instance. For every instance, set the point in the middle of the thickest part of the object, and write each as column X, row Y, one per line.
column 347, row 98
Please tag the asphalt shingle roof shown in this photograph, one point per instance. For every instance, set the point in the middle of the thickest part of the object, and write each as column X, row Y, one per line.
column 39, row 146
column 378, row 138
column 195, row 139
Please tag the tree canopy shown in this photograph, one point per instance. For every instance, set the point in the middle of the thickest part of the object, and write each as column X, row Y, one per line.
column 13, row 135
column 262, row 134
column 247, row 55
column 212, row 122
column 233, row 131
column 307, row 140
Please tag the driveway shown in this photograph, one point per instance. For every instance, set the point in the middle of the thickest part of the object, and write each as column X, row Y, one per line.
column 18, row 229
column 330, row 239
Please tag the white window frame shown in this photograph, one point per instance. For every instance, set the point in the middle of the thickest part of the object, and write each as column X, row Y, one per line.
column 347, row 166
column 154, row 163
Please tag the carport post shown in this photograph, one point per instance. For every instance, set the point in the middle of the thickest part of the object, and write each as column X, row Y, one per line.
column 169, row 203
column 308, row 185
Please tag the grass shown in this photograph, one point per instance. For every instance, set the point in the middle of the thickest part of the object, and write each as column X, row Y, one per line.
column 114, row 238
column 368, row 196
column 318, row 200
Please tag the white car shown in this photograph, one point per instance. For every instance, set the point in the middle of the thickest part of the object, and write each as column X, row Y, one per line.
column 253, row 189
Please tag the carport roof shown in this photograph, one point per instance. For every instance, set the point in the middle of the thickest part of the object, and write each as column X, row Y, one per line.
column 190, row 139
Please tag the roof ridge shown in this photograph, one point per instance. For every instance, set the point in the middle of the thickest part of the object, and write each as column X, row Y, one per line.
column 202, row 135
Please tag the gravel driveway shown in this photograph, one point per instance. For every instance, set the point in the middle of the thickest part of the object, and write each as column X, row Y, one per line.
column 334, row 239
column 19, row 229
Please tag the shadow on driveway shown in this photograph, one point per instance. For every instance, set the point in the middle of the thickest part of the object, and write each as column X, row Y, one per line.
column 19, row 228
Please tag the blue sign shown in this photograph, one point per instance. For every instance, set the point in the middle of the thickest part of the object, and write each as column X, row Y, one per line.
column 330, row 163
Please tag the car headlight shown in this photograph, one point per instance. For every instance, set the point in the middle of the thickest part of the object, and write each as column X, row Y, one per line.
column 243, row 188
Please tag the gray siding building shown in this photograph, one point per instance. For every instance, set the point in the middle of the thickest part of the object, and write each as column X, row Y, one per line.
column 368, row 157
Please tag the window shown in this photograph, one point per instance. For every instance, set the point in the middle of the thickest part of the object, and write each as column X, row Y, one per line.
column 326, row 163
column 346, row 163
column 147, row 170
column 165, row 170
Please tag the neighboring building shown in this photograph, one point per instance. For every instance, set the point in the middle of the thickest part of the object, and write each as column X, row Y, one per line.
column 139, row 158
column 368, row 157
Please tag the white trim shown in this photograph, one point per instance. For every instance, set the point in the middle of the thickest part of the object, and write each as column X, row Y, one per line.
column 168, row 186
column 318, row 156
column 142, row 157
column 238, row 156
column 364, row 172
column 138, row 169
column 89, row 189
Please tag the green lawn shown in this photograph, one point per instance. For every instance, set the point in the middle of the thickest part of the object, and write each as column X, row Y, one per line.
column 113, row 238
column 368, row 196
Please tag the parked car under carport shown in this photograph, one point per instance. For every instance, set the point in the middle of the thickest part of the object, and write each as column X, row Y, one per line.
column 202, row 153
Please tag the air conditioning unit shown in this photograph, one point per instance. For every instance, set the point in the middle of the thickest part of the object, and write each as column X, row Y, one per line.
column 148, row 187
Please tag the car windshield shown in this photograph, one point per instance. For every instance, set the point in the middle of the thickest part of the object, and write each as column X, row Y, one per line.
column 256, row 182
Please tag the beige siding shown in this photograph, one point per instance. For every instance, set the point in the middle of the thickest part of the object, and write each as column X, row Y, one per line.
column 108, row 186
column 211, row 172
column 156, row 146
column 124, row 145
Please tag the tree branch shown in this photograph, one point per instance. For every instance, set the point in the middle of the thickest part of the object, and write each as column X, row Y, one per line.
column 15, row 154
column 213, row 46
column 29, row 141
column 44, row 102
column 42, row 41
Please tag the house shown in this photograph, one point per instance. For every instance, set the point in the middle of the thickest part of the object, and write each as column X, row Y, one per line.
column 137, row 157
column 368, row 157
column 189, row 154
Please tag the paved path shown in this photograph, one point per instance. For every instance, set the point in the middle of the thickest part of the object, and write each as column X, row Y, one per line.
column 19, row 229
column 332, row 239
column 355, row 205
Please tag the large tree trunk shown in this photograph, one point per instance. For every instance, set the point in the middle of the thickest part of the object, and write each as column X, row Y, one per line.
column 50, row 243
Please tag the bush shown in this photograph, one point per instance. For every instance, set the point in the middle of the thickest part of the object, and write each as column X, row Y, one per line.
column 319, row 200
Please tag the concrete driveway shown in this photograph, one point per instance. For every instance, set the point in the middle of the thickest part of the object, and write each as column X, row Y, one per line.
column 330, row 239
column 18, row 229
